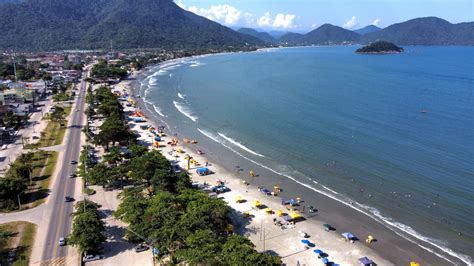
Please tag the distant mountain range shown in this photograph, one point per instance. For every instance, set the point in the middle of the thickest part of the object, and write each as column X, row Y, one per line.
column 264, row 36
column 367, row 29
column 419, row 31
column 94, row 24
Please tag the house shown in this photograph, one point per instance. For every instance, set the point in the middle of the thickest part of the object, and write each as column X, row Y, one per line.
column 37, row 87
column 22, row 109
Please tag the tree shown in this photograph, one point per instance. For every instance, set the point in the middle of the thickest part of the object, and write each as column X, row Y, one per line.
column 58, row 115
column 87, row 228
column 239, row 250
column 112, row 130
column 113, row 156
column 11, row 120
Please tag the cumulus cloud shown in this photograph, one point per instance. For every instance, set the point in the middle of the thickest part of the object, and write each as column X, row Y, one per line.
column 265, row 20
column 376, row 22
column 284, row 21
column 351, row 23
column 314, row 25
column 221, row 13
column 230, row 15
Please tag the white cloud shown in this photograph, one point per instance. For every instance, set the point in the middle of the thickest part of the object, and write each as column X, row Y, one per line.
column 225, row 14
column 314, row 25
column 351, row 23
column 265, row 20
column 376, row 22
column 284, row 21
column 230, row 15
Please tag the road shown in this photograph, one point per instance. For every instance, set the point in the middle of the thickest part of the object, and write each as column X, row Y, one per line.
column 60, row 218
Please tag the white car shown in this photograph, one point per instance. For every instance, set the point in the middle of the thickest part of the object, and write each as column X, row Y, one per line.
column 62, row 241
column 91, row 257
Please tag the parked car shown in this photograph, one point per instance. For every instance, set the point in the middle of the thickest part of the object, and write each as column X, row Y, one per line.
column 62, row 241
column 141, row 247
column 69, row 199
column 92, row 257
column 73, row 162
column 72, row 175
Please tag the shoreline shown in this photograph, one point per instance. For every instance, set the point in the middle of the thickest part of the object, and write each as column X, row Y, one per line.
column 329, row 208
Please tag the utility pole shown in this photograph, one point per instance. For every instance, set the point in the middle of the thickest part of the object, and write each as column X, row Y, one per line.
column 19, row 203
column 14, row 67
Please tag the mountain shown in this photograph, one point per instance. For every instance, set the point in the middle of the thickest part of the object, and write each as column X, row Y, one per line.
column 425, row 31
column 263, row 36
column 277, row 34
column 329, row 34
column 367, row 29
column 290, row 38
column 93, row 24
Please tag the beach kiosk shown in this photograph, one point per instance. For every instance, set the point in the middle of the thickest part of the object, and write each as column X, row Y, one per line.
column 366, row 261
column 203, row 171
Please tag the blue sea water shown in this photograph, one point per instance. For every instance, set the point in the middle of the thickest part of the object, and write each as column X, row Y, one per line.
column 391, row 133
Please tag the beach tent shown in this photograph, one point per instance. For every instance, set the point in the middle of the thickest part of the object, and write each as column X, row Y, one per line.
column 203, row 171
column 325, row 260
column 366, row 261
column 295, row 215
column 305, row 241
column 348, row 236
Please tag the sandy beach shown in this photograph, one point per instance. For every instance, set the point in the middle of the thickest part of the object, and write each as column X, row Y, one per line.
column 389, row 249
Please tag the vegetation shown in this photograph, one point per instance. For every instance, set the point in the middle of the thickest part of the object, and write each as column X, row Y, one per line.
column 27, row 179
column 87, row 228
column 104, row 71
column 22, row 251
column 11, row 120
column 82, row 25
column 379, row 47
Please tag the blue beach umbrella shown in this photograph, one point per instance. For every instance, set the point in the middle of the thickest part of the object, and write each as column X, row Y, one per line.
column 318, row 251
column 325, row 261
column 306, row 241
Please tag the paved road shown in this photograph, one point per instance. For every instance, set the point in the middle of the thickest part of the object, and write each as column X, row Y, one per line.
column 61, row 219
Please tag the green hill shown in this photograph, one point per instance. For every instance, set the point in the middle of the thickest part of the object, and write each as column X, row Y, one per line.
column 425, row 31
column 367, row 29
column 329, row 34
column 93, row 24
column 263, row 36
column 380, row 47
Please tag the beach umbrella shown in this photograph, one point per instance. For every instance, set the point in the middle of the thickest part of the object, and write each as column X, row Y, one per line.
column 305, row 241
column 238, row 199
column 295, row 215
column 280, row 213
column 414, row 263
column 325, row 260
column 318, row 251
column 268, row 210
column 327, row 227
column 347, row 235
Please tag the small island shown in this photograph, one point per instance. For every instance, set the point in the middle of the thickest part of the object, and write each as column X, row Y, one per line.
column 380, row 47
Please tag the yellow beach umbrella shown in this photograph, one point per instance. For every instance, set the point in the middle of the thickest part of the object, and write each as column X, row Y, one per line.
column 238, row 199
column 280, row 213
column 257, row 203
column 414, row 263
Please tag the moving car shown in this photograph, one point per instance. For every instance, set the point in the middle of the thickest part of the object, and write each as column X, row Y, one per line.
column 62, row 241
column 73, row 162
column 69, row 199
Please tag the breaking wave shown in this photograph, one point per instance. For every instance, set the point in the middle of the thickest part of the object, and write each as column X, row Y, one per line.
column 240, row 145
column 185, row 111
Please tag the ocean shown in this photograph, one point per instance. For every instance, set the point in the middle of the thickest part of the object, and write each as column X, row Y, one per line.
column 388, row 135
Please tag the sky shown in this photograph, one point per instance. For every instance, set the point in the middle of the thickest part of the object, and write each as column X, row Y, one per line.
column 305, row 15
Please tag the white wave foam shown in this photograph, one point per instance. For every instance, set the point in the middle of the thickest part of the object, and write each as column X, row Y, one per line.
column 153, row 81
column 367, row 210
column 158, row 110
column 185, row 111
column 238, row 144
column 181, row 95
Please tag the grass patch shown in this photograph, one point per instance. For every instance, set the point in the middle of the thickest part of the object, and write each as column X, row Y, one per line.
column 22, row 248
column 46, row 176
column 53, row 134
